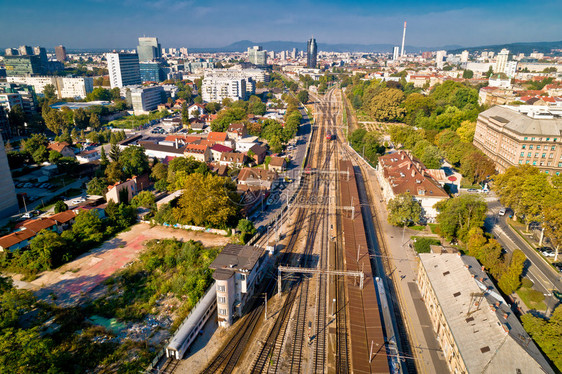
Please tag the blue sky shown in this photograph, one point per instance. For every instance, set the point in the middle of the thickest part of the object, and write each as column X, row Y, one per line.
column 215, row 23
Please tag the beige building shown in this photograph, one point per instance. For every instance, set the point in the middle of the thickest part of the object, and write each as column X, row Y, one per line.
column 238, row 269
column 517, row 135
column 476, row 328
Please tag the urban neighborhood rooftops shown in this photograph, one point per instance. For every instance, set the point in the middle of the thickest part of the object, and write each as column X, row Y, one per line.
column 235, row 258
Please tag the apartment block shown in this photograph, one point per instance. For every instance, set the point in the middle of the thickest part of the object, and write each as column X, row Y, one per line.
column 123, row 69
column 476, row 328
column 146, row 99
column 65, row 87
column 525, row 134
column 9, row 202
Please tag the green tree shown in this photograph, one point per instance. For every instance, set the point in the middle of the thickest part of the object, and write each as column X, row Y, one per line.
column 159, row 171
column 32, row 144
column 386, row 105
column 26, row 351
column 457, row 216
column 54, row 156
column 552, row 225
column 97, row 186
column 181, row 166
column 467, row 74
column 81, row 118
column 55, row 121
column 206, row 200
column 16, row 119
column 256, row 106
column 510, row 281
column 94, row 121
column 88, row 227
column 547, row 334
column 144, row 199
column 103, row 157
column 50, row 93
column 404, row 210
column 134, row 161
column 40, row 155
column 68, row 165
column 99, row 94
column 48, row 248
column 60, row 206
column 226, row 117
column 213, row 107
column 302, row 96
column 114, row 172
column 114, row 151
column 466, row 131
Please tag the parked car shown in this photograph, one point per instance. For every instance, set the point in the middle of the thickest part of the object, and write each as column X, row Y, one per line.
column 502, row 212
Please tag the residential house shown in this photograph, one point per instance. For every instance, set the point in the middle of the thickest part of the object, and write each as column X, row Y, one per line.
column 161, row 151
column 217, row 150
column 126, row 190
column 238, row 271
column 219, row 137
column 257, row 177
column 244, row 144
column 63, row 148
column 232, row 159
column 200, row 109
column 197, row 151
column 258, row 153
column 88, row 156
column 400, row 173
column 16, row 240
column 133, row 140
column 237, row 131
column 278, row 164
column 63, row 220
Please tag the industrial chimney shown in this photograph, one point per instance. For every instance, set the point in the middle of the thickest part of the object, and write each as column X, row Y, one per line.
column 403, row 40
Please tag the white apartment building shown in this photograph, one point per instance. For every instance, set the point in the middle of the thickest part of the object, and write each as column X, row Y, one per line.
column 65, row 87
column 123, row 69
column 439, row 56
column 464, row 56
column 501, row 61
column 217, row 86
column 146, row 99
column 395, row 53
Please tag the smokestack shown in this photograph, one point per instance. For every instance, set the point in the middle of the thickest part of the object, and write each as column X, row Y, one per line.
column 403, row 40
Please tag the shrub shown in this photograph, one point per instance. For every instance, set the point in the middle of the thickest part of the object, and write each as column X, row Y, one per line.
column 422, row 245
column 526, row 283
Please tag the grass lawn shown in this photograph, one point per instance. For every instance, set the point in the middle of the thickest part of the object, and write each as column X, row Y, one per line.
column 131, row 122
column 434, row 227
column 417, row 227
column 533, row 299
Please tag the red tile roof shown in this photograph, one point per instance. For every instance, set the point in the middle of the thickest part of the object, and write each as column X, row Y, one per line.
column 221, row 148
column 58, row 146
column 217, row 136
column 16, row 237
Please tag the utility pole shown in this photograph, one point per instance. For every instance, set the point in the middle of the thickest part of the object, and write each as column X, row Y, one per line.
column 265, row 295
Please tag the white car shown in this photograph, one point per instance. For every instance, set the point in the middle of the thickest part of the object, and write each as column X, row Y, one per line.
column 502, row 212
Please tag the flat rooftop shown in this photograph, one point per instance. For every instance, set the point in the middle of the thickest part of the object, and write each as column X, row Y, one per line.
column 488, row 335
column 235, row 258
column 77, row 105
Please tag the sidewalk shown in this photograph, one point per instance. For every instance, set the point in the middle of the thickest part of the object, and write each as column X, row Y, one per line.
column 404, row 262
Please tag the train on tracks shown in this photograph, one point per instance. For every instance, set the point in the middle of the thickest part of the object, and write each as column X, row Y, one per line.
column 391, row 338
column 187, row 332
column 330, row 135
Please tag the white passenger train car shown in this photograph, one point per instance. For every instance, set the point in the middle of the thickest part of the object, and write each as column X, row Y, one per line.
column 187, row 332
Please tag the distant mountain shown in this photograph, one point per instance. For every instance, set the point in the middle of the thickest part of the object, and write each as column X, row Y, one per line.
column 542, row 47
column 278, row 46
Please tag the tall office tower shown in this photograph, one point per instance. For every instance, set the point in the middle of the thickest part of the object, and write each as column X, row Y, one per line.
column 501, row 61
column 25, row 50
column 464, row 56
column 439, row 56
column 60, row 52
column 9, row 201
column 257, row 56
column 42, row 53
column 395, row 53
column 183, row 52
column 294, row 53
column 149, row 49
column 311, row 53
column 123, row 69
column 11, row 52
column 283, row 55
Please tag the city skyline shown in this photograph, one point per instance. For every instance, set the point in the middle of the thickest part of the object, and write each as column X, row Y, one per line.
column 216, row 24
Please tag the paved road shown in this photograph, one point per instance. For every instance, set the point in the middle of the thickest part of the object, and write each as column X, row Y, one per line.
column 545, row 277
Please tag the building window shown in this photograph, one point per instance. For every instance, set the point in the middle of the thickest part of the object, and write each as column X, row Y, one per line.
column 520, row 162
column 549, row 164
column 551, row 155
column 547, row 139
column 536, row 154
column 541, row 164
column 543, row 155
column 553, row 148
column 522, row 154
column 221, row 288
column 222, row 312
column 560, row 164
column 222, row 299
column 529, row 154
column 538, row 147
column 531, row 146
column 525, row 138
column 534, row 163
column 546, row 171
column 523, row 146
column 527, row 162
column 532, row 138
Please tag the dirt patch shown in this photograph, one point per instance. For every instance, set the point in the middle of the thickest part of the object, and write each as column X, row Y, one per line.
column 74, row 281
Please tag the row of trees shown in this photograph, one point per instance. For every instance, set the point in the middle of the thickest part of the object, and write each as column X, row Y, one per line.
column 534, row 197
column 368, row 144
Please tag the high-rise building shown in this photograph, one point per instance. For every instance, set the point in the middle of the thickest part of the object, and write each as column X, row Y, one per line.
column 149, row 49
column 464, row 56
column 221, row 84
column 183, row 52
column 439, row 56
column 151, row 72
column 66, row 87
column 123, row 69
column 23, row 65
column 11, row 52
column 396, row 53
column 146, row 99
column 257, row 56
column 311, row 53
column 9, row 201
column 294, row 53
column 501, row 61
column 60, row 52
column 25, row 50
column 18, row 94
